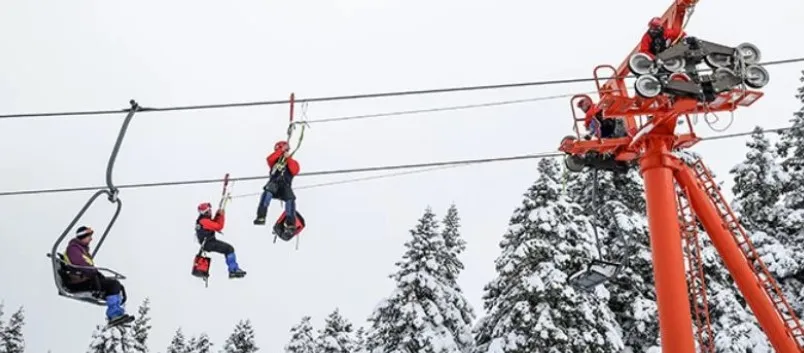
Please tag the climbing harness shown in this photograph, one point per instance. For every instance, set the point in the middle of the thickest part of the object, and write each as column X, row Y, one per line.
column 61, row 267
column 202, row 262
column 599, row 270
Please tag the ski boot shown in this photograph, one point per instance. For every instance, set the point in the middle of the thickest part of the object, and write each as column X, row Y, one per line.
column 238, row 273
column 234, row 268
column 260, row 219
column 119, row 320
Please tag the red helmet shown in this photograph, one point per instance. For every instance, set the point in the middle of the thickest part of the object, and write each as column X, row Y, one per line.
column 205, row 208
column 655, row 22
column 281, row 145
column 584, row 103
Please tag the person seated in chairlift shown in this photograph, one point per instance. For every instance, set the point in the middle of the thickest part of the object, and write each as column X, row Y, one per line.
column 205, row 228
column 657, row 39
column 77, row 254
column 595, row 122
column 280, row 186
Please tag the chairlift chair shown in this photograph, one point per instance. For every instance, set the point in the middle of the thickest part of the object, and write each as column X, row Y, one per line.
column 95, row 296
column 597, row 273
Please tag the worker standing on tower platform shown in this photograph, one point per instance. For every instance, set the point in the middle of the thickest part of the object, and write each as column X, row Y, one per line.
column 595, row 122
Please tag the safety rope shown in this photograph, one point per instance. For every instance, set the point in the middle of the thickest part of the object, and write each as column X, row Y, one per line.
column 111, row 192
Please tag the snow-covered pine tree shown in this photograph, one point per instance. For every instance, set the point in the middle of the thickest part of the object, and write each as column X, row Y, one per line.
column 454, row 244
column 360, row 338
column 111, row 340
column 13, row 340
column 141, row 327
column 419, row 315
column 530, row 306
column 179, row 343
column 2, row 324
column 619, row 213
column 758, row 187
column 201, row 344
column 242, row 340
column 791, row 149
column 458, row 321
column 302, row 338
column 337, row 335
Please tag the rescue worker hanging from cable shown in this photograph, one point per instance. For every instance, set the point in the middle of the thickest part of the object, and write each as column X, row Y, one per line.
column 77, row 254
column 657, row 38
column 205, row 228
column 280, row 185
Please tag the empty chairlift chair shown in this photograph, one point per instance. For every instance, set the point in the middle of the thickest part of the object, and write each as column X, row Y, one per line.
column 597, row 273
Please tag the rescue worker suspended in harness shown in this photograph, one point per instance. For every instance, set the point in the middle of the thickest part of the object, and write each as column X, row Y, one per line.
column 657, row 38
column 77, row 254
column 205, row 228
column 280, row 185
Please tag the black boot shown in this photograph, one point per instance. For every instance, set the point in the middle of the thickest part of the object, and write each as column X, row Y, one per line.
column 120, row 320
column 238, row 273
column 260, row 220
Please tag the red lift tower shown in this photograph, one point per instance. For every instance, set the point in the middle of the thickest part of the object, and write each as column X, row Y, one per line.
column 681, row 194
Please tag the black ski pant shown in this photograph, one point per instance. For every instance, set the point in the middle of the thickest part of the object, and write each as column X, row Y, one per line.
column 108, row 286
column 218, row 246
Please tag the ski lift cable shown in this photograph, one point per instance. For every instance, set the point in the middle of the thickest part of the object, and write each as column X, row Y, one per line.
column 349, row 97
column 344, row 171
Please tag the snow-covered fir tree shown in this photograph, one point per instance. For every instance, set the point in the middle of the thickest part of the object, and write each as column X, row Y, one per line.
column 454, row 244
column 462, row 317
column 302, row 337
column 337, row 335
column 201, row 344
column 13, row 340
column 758, row 183
column 420, row 315
column 791, row 149
column 530, row 306
column 758, row 187
column 141, row 327
column 360, row 338
column 111, row 340
column 242, row 340
column 2, row 324
column 178, row 344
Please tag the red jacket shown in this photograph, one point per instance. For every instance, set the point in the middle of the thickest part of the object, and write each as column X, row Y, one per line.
column 292, row 165
column 670, row 35
column 592, row 113
column 213, row 224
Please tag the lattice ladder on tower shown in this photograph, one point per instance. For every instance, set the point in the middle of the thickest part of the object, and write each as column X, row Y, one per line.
column 764, row 277
column 699, row 301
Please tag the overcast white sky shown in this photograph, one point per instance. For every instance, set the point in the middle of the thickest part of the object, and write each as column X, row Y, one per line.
column 80, row 55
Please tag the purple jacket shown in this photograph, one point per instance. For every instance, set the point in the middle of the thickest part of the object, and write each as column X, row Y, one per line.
column 78, row 254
